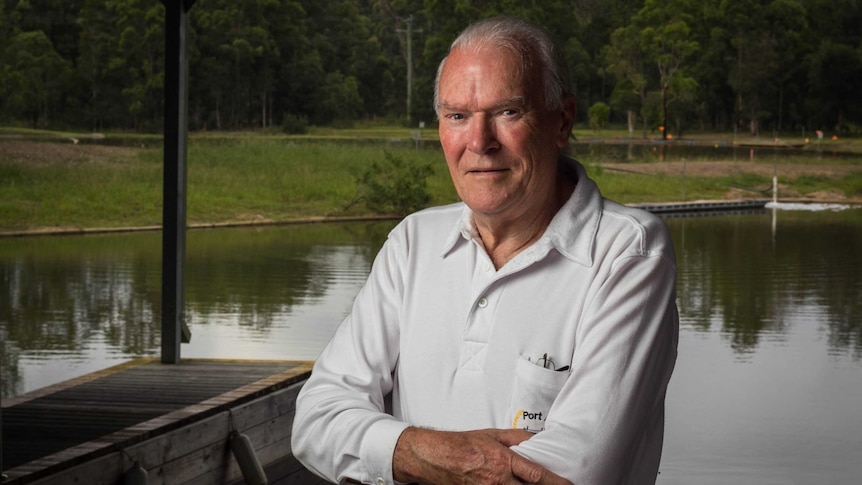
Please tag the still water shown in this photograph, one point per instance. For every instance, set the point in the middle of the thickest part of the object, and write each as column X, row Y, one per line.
column 768, row 384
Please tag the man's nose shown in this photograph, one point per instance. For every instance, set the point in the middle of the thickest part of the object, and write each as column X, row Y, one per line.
column 483, row 136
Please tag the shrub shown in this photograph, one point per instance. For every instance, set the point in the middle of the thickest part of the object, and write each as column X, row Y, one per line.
column 599, row 115
column 294, row 124
column 392, row 186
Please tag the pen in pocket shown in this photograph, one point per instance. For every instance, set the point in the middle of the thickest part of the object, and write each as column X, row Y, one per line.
column 547, row 363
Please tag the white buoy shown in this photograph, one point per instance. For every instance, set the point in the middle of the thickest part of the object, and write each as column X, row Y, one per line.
column 249, row 465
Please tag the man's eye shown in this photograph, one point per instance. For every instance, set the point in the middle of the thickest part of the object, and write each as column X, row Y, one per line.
column 456, row 116
column 510, row 112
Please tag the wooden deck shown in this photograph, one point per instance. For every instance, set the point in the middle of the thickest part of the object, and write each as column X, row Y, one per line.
column 173, row 419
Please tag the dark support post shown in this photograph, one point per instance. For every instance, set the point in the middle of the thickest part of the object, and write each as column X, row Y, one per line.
column 174, row 203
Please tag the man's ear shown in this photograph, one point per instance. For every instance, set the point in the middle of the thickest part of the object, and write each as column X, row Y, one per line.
column 569, row 112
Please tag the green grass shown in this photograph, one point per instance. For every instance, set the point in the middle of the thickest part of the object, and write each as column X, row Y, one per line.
column 239, row 179
column 279, row 180
column 79, row 195
column 252, row 177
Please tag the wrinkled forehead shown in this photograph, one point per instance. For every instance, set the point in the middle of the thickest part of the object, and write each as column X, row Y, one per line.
column 485, row 64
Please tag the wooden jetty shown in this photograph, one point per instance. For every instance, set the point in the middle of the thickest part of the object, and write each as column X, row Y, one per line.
column 168, row 421
column 172, row 420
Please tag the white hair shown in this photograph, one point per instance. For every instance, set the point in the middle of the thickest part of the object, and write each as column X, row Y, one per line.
column 532, row 46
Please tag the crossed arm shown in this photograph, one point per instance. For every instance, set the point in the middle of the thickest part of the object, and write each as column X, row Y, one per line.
column 467, row 457
column 602, row 424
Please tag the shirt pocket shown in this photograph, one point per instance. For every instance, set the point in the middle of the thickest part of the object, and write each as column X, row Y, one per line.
column 533, row 392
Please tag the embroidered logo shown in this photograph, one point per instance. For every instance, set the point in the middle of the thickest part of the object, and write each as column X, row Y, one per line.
column 529, row 421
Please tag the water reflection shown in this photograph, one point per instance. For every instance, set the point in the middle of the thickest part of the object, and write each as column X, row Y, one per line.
column 76, row 298
column 767, row 385
column 735, row 273
column 72, row 305
column 768, row 381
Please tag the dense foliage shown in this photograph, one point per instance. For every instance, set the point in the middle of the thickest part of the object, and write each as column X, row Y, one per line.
column 757, row 65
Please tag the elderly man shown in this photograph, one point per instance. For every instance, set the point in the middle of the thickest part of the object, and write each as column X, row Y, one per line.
column 526, row 334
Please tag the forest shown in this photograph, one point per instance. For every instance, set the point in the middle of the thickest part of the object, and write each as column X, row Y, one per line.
column 756, row 66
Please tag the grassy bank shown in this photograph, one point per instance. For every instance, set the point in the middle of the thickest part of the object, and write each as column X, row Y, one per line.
column 46, row 184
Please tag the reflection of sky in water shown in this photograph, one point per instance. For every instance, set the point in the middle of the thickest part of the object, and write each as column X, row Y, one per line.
column 44, row 367
column 298, row 333
column 295, row 331
column 767, row 387
column 787, row 413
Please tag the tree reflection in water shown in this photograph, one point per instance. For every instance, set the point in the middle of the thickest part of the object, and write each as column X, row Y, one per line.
column 736, row 274
column 64, row 295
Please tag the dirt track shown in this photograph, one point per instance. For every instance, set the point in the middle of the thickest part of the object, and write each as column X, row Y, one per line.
column 719, row 168
column 64, row 153
column 784, row 171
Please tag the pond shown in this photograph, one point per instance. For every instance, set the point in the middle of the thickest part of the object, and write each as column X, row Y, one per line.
column 768, row 383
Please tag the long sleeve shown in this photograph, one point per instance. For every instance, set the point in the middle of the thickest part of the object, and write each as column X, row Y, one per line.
column 341, row 429
column 454, row 344
column 606, row 424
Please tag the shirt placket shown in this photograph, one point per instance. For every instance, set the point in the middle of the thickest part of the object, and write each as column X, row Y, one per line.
column 480, row 318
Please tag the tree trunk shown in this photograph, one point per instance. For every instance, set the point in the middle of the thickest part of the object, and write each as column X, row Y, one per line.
column 664, row 112
column 780, row 106
column 630, row 115
column 218, row 112
column 263, row 109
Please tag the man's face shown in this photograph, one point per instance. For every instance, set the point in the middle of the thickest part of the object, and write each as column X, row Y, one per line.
column 500, row 142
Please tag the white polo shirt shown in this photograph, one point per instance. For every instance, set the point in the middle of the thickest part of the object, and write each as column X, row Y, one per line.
column 575, row 338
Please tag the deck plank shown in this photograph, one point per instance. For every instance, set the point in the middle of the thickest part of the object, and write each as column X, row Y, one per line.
column 122, row 406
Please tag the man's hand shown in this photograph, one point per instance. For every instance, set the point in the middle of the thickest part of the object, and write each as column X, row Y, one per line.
column 467, row 457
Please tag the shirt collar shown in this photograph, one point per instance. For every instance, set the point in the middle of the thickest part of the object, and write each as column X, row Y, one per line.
column 463, row 230
column 571, row 232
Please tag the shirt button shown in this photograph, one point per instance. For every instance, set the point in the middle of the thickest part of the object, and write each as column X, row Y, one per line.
column 483, row 303
column 486, row 267
column 381, row 481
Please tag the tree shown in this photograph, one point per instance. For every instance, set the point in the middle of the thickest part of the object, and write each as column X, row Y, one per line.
column 138, row 56
column 257, row 62
column 37, row 72
column 834, row 33
column 788, row 29
column 599, row 115
column 624, row 99
column 715, row 98
column 237, row 58
column 666, row 36
column 625, row 59
column 5, row 68
column 338, row 98
column 99, row 66
column 755, row 58
column 833, row 74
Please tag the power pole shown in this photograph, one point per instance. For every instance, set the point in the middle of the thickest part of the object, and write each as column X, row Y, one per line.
column 409, row 31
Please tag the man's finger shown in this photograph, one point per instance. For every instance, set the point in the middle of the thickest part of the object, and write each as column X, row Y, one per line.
column 509, row 437
column 530, row 472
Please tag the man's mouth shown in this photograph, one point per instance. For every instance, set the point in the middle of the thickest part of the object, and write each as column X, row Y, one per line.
column 487, row 170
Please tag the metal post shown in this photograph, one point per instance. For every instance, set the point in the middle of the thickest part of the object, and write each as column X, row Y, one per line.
column 409, row 31
column 2, row 475
column 409, row 67
column 174, row 203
